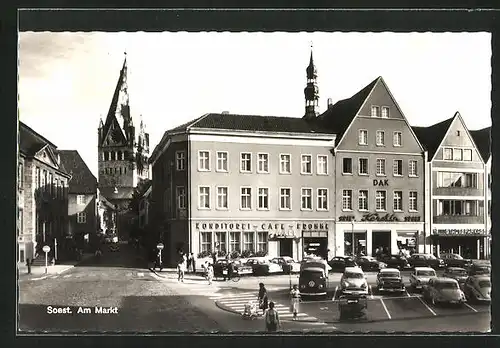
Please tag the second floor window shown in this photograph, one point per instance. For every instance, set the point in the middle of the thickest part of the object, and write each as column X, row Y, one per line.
column 285, row 198
column 457, row 154
column 380, row 201
column 80, row 200
column 447, row 154
column 363, row 200
column 306, row 164
column 412, row 168
column 204, row 197
column 347, row 166
column 363, row 166
column 181, row 197
column 322, row 199
column 263, row 163
column 380, row 166
column 322, row 165
column 467, row 155
column 397, row 139
column 246, row 162
column 285, row 164
column 450, row 179
column 363, row 137
column 347, row 200
column 81, row 217
column 204, row 160
column 246, row 198
column 221, row 197
column 306, row 198
column 380, row 138
column 263, row 198
column 412, row 201
column 398, row 203
column 180, row 160
column 221, row 161
column 397, row 167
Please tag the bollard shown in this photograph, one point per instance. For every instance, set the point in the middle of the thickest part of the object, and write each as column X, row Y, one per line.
column 28, row 264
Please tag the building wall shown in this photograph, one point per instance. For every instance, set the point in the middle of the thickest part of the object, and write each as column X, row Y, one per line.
column 89, row 208
column 109, row 170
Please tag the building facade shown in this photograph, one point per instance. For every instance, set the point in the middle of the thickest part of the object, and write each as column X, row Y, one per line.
column 457, row 183
column 42, row 195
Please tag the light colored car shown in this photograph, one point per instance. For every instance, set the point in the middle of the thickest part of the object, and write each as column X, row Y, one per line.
column 389, row 279
column 288, row 264
column 457, row 273
column 443, row 290
column 478, row 288
column 353, row 281
column 421, row 276
column 264, row 266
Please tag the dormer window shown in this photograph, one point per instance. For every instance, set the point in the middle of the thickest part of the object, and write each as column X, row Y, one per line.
column 375, row 111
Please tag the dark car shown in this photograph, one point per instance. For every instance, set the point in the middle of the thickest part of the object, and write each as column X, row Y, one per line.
column 455, row 260
column 457, row 273
column 313, row 279
column 425, row 260
column 339, row 263
column 479, row 269
column 369, row 263
column 395, row 261
column 443, row 290
column 288, row 264
column 389, row 279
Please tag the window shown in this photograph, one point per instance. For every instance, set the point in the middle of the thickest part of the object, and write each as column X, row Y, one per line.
column 397, row 168
column 180, row 160
column 363, row 137
column 347, row 166
column 397, row 138
column 220, row 241
column 44, row 179
column 380, row 138
column 248, row 241
column 221, row 161
column 113, row 156
column 20, row 175
column 246, row 198
column 322, row 199
column 263, row 198
column 347, row 200
column 81, row 217
column 322, row 165
column 263, row 163
column 412, row 168
column 457, row 154
column 385, row 112
column 262, row 241
column 37, row 177
column 204, row 160
column 222, row 197
column 306, row 199
column 204, row 197
column 285, row 198
column 380, row 166
column 412, row 201
column 398, row 201
column 246, row 162
column 375, row 111
column 56, row 187
column 448, row 154
column 285, row 164
column 234, row 241
column 306, row 164
column 455, row 207
column 458, row 133
column 363, row 200
column 363, row 166
column 467, row 155
column 380, row 201
column 206, row 241
column 450, row 179
column 80, row 200
column 181, row 197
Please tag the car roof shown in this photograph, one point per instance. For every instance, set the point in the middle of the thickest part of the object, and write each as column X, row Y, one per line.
column 444, row 280
column 481, row 277
column 387, row 270
column 423, row 268
column 455, row 268
column 353, row 270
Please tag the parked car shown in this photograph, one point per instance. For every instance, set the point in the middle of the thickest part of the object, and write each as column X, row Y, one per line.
column 479, row 269
column 369, row 263
column 457, row 273
column 288, row 264
column 242, row 268
column 313, row 278
column 420, row 276
column 395, row 261
column 264, row 267
column 353, row 281
column 478, row 288
column 390, row 280
column 425, row 260
column 443, row 290
column 455, row 260
column 339, row 263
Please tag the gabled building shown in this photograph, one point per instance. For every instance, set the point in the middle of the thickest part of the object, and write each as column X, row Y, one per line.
column 42, row 195
column 82, row 199
column 456, row 176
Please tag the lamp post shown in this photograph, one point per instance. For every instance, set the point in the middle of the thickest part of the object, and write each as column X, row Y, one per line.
column 352, row 233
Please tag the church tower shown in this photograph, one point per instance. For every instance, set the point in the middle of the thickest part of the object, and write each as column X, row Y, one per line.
column 311, row 92
column 123, row 153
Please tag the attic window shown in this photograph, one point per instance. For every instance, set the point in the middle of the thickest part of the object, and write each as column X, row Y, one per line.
column 458, row 133
column 375, row 111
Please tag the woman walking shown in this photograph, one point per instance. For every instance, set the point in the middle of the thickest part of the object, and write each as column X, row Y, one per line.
column 294, row 301
column 272, row 319
column 263, row 298
column 210, row 274
column 181, row 269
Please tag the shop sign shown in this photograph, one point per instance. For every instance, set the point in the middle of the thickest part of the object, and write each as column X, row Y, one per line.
column 460, row 232
column 275, row 229
column 377, row 217
column 377, row 182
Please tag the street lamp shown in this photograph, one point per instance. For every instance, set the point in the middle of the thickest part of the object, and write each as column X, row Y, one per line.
column 352, row 241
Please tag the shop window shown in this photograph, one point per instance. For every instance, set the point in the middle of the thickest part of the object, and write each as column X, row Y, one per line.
column 306, row 164
column 206, row 241
column 263, row 163
column 285, row 164
column 220, row 240
column 347, row 166
column 248, row 241
column 262, row 241
column 363, row 166
column 263, row 198
column 363, row 200
column 234, row 241
column 222, row 197
column 322, row 165
column 246, row 162
column 347, row 200
column 322, row 199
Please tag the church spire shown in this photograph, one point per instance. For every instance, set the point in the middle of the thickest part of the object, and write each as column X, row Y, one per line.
column 311, row 92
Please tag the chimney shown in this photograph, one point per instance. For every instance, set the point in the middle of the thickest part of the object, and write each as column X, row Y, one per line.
column 329, row 103
column 225, row 112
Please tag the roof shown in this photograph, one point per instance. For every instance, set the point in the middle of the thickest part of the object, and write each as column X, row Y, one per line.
column 353, row 270
column 455, row 268
column 424, row 269
column 444, row 280
column 30, row 142
column 387, row 270
column 432, row 136
column 340, row 115
column 82, row 180
column 482, row 139
column 123, row 193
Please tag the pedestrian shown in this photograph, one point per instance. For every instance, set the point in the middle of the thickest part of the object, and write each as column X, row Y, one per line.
column 189, row 262
column 210, row 273
column 181, row 268
column 193, row 262
column 263, row 298
column 294, row 301
column 214, row 258
column 272, row 319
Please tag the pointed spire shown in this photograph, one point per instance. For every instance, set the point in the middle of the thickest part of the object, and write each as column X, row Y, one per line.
column 311, row 69
column 311, row 91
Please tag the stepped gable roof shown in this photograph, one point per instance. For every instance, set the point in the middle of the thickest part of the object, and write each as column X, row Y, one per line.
column 482, row 139
column 432, row 136
column 82, row 180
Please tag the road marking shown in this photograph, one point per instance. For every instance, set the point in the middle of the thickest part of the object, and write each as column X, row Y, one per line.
column 475, row 310
column 67, row 276
column 335, row 293
column 426, row 305
column 140, row 274
column 370, row 291
column 386, row 311
column 323, row 308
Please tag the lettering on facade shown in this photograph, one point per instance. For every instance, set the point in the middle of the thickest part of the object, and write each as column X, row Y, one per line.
column 377, row 217
column 276, row 230
column 460, row 232
column 384, row 182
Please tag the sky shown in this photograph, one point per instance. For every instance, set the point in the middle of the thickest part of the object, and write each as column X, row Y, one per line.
column 67, row 80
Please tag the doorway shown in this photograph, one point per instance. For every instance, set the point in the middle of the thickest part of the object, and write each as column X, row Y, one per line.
column 286, row 247
column 316, row 246
column 381, row 240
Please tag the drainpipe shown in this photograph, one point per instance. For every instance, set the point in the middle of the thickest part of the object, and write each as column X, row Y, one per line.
column 189, row 193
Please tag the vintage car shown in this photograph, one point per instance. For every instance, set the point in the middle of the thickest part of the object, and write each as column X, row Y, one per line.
column 390, row 280
column 479, row 269
column 263, row 266
column 313, row 278
column 478, row 288
column 395, row 261
column 457, row 273
column 339, row 263
column 425, row 260
column 288, row 264
column 369, row 263
column 353, row 281
column 242, row 268
column 420, row 276
column 443, row 290
column 455, row 260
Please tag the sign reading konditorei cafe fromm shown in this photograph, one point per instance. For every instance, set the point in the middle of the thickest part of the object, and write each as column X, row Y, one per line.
column 276, row 230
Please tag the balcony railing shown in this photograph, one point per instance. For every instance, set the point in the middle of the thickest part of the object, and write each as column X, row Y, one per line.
column 457, row 191
column 458, row 219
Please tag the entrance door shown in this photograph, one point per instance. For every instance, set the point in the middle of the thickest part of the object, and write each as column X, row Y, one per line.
column 381, row 239
column 286, row 247
column 317, row 246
